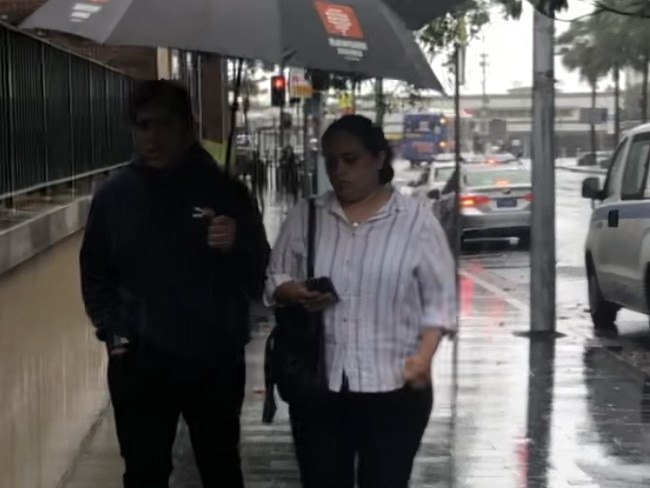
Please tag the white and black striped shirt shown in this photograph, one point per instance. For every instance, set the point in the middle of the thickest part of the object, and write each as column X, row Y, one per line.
column 394, row 274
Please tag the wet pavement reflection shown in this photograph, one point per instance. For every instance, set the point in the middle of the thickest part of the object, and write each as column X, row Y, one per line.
column 51, row 370
column 509, row 412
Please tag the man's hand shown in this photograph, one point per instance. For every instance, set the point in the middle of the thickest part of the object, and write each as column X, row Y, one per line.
column 417, row 370
column 295, row 292
column 221, row 233
column 118, row 346
column 118, row 351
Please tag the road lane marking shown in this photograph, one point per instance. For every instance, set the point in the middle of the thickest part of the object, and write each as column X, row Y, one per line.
column 507, row 297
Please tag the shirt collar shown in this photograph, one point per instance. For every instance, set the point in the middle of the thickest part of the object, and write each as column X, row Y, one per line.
column 395, row 204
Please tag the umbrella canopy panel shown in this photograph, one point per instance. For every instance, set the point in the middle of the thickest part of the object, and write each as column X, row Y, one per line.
column 362, row 37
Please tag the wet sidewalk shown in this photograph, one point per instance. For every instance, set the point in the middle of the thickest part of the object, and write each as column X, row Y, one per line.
column 508, row 414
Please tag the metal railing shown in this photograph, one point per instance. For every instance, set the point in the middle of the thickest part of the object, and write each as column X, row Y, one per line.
column 62, row 117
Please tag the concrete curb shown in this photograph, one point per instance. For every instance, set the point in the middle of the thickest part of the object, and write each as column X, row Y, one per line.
column 584, row 170
column 31, row 237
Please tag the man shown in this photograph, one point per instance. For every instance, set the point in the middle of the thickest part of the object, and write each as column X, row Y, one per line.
column 172, row 253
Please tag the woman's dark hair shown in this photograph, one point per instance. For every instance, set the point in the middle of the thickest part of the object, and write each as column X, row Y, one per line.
column 371, row 135
column 170, row 95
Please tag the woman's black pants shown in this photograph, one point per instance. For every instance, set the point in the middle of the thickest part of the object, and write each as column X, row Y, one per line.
column 379, row 434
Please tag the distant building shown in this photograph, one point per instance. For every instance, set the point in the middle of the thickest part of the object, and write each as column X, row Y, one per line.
column 508, row 120
column 511, row 114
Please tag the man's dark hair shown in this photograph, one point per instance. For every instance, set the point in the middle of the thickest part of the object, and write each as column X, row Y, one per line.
column 372, row 136
column 170, row 95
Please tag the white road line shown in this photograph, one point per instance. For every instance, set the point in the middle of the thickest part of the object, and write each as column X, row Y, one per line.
column 508, row 298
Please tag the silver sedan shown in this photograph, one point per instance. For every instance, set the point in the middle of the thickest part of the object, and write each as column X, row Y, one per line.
column 495, row 201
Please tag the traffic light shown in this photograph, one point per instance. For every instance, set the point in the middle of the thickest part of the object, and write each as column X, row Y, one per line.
column 278, row 90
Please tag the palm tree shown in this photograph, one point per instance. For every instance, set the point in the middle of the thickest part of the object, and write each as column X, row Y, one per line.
column 581, row 52
column 611, row 38
column 638, row 56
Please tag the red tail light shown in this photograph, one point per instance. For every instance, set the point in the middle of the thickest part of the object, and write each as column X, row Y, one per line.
column 473, row 200
column 528, row 197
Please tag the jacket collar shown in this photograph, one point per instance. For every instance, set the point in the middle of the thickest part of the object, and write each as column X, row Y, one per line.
column 195, row 155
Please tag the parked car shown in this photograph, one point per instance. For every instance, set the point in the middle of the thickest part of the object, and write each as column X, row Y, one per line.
column 599, row 158
column 438, row 176
column 444, row 158
column 617, row 250
column 495, row 201
column 605, row 160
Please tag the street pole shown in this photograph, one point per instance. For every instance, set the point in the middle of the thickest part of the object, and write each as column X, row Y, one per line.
column 542, row 255
column 282, row 105
column 484, row 131
column 617, row 103
column 458, row 75
column 322, row 182
column 379, row 101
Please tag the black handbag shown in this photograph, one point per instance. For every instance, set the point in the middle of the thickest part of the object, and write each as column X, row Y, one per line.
column 294, row 357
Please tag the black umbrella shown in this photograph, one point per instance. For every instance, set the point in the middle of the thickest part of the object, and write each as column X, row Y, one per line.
column 363, row 37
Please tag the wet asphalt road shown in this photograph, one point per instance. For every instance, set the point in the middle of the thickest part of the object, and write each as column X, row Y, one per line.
column 600, row 386
column 509, row 412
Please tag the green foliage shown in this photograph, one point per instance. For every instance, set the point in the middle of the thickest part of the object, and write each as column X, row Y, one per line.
column 584, row 51
column 627, row 8
column 633, row 103
column 466, row 22
column 607, row 42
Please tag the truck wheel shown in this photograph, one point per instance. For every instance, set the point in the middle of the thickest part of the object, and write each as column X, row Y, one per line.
column 603, row 313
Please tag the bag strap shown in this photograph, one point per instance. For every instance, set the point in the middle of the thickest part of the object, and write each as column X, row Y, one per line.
column 311, row 238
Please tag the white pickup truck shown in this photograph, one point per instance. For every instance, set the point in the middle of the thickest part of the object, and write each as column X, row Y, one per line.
column 617, row 251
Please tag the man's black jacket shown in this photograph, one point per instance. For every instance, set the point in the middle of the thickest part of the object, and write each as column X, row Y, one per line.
column 147, row 272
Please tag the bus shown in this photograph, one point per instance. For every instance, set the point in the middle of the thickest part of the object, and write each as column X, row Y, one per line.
column 425, row 135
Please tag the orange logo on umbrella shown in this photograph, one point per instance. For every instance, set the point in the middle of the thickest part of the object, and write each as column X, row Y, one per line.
column 339, row 20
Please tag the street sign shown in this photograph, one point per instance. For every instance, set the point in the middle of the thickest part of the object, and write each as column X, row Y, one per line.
column 299, row 86
column 346, row 102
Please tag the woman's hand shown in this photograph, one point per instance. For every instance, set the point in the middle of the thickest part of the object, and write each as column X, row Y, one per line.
column 417, row 370
column 296, row 293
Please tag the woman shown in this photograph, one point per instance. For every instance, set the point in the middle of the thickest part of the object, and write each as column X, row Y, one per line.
column 393, row 272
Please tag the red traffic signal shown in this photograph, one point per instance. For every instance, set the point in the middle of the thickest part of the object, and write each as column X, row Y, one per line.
column 279, row 82
column 278, row 90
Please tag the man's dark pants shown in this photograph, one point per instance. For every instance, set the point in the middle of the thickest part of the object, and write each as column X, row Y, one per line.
column 150, row 390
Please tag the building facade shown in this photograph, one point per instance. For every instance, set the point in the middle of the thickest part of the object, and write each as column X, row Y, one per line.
column 511, row 113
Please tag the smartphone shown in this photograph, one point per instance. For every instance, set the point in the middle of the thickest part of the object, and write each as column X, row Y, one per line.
column 322, row 285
